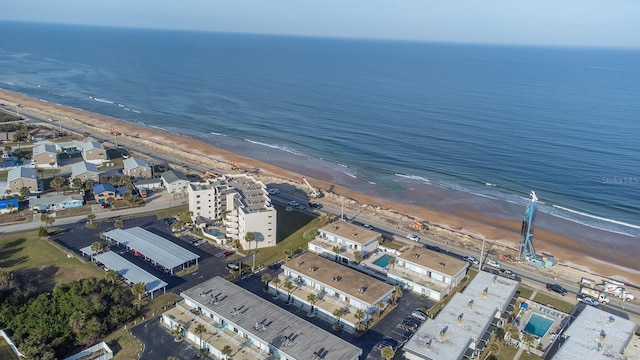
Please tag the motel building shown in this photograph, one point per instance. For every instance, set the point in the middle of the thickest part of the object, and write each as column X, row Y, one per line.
column 253, row 328
column 340, row 241
column 334, row 287
column 428, row 272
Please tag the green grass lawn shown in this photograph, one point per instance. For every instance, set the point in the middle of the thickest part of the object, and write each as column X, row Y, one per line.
column 172, row 211
column 5, row 351
column 42, row 262
column 545, row 299
column 525, row 292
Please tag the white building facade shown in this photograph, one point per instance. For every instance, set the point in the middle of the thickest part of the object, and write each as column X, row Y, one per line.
column 341, row 241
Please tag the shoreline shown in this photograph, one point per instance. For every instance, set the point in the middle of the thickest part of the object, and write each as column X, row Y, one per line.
column 456, row 224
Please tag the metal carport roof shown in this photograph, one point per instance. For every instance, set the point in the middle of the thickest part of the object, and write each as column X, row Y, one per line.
column 130, row 271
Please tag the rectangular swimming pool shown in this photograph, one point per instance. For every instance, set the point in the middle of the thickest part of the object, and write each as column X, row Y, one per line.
column 383, row 261
column 538, row 325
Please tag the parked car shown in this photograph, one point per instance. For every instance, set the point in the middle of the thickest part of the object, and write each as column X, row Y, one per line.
column 413, row 237
column 433, row 248
column 409, row 325
column 471, row 260
column 412, row 321
column 557, row 288
column 587, row 300
column 508, row 273
column 293, row 203
column 493, row 264
column 314, row 205
column 367, row 226
column 419, row 315
column 387, row 342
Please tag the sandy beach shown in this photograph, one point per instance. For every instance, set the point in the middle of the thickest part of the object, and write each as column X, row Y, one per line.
column 457, row 228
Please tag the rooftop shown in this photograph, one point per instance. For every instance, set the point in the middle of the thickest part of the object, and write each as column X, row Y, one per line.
column 21, row 172
column 102, row 187
column 155, row 247
column 82, row 167
column 55, row 199
column 172, row 176
column 41, row 148
column 346, row 280
column 585, row 338
column 129, row 271
column 90, row 145
column 133, row 162
column 349, row 231
column 433, row 260
column 303, row 339
column 464, row 319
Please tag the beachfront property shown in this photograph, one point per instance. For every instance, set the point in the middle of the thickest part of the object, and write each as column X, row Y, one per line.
column 598, row 335
column 44, row 155
column 252, row 327
column 93, row 152
column 242, row 205
column 427, row 272
column 341, row 241
column 56, row 202
column 465, row 324
column 136, row 168
column 84, row 171
column 9, row 206
column 174, row 181
column 333, row 287
column 23, row 177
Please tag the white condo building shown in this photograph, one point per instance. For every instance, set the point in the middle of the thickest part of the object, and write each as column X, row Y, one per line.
column 241, row 203
column 340, row 241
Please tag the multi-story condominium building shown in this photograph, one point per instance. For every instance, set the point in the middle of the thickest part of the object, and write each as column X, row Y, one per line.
column 241, row 203
column 174, row 181
column 341, row 241
column 253, row 328
column 333, row 287
column 427, row 272
column 465, row 324
column 45, row 155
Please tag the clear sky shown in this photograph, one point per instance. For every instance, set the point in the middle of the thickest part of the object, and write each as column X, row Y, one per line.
column 614, row 23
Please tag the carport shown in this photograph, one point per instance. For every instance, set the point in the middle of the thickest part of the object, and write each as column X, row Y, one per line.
column 153, row 247
column 130, row 272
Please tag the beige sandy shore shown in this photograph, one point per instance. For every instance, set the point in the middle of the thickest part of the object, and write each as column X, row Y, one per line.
column 465, row 231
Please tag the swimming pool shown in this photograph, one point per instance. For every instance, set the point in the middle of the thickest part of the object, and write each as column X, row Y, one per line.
column 538, row 325
column 383, row 261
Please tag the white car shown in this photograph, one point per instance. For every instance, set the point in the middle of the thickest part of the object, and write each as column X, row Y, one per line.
column 273, row 191
column 413, row 237
column 471, row 260
column 293, row 203
column 493, row 264
column 367, row 226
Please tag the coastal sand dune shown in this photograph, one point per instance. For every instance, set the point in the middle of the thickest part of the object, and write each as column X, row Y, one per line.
column 462, row 229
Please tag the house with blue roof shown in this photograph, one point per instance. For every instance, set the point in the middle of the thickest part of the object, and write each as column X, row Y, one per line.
column 102, row 192
column 9, row 206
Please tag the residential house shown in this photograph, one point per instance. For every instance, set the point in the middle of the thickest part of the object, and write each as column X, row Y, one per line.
column 136, row 168
column 102, row 192
column 463, row 327
column 56, row 202
column 93, row 152
column 241, row 202
column 174, row 181
column 341, row 240
column 85, row 171
column 335, row 287
column 20, row 177
column 427, row 272
column 9, row 206
column 45, row 156
column 252, row 327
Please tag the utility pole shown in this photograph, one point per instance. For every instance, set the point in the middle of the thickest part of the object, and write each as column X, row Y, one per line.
column 481, row 254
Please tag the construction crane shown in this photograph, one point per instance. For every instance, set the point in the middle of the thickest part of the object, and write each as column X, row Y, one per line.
column 115, row 135
column 526, row 234
column 314, row 193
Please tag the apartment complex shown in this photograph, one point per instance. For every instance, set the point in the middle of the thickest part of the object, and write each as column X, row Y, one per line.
column 461, row 330
column 241, row 203
column 427, row 272
column 334, row 287
column 251, row 327
column 341, row 241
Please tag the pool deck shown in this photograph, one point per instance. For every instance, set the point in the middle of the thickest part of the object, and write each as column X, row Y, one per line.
column 370, row 262
column 547, row 312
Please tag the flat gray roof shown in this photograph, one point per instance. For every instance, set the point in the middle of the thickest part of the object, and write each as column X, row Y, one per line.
column 157, row 248
column 584, row 339
column 307, row 339
column 130, row 271
column 465, row 318
column 351, row 232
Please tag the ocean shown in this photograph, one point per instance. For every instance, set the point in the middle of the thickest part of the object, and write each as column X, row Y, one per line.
column 483, row 124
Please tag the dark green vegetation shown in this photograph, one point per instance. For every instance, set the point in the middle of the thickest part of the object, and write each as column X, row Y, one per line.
column 75, row 314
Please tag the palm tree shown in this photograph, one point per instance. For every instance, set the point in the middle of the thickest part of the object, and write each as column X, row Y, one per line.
column 199, row 330
column 226, row 351
column 387, row 352
column 312, row 299
column 118, row 223
column 336, row 250
column 357, row 256
column 392, row 261
column 48, row 220
column 397, row 294
column 249, row 237
column 139, row 290
column 528, row 339
column 290, row 287
column 99, row 247
column 57, row 183
column 76, row 183
column 112, row 276
column 265, row 279
column 91, row 217
column 177, row 332
column 338, row 314
column 359, row 315
column 277, row 281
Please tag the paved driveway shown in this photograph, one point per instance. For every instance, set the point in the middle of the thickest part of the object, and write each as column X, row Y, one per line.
column 159, row 343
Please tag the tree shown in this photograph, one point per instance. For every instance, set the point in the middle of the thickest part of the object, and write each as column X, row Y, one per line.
column 76, row 183
column 359, row 315
column 392, row 262
column 338, row 315
column 312, row 299
column 226, row 351
column 118, row 223
column 397, row 294
column 336, row 250
column 77, row 321
column 290, row 287
column 199, row 330
column 91, row 217
column 277, row 281
column 265, row 279
column 357, row 256
column 139, row 290
column 387, row 352
column 178, row 332
column 48, row 220
column 249, row 237
column 127, row 197
column 57, row 183
column 24, row 192
column 112, row 276
column 99, row 247
column 42, row 232
column 528, row 339
column 88, row 185
column 6, row 280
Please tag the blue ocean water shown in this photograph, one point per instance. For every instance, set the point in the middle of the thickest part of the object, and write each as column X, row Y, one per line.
column 388, row 118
